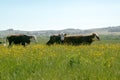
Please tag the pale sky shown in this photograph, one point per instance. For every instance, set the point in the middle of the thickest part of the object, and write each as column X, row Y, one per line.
column 33, row 15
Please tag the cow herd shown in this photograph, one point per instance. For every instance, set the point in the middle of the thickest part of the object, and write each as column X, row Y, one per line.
column 62, row 38
column 73, row 39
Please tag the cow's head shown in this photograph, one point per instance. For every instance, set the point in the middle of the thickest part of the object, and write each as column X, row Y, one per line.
column 95, row 36
column 33, row 38
column 62, row 36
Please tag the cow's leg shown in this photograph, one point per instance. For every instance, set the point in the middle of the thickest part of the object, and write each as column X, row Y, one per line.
column 23, row 43
column 10, row 42
column 28, row 42
column 49, row 43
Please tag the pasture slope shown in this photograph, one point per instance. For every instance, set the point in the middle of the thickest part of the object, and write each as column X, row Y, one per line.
column 99, row 61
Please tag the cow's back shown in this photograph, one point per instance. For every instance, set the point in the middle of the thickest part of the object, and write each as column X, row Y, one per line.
column 75, row 40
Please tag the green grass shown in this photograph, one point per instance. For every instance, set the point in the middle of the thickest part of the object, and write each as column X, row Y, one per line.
column 99, row 61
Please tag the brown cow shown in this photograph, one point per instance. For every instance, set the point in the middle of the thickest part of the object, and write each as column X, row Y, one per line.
column 81, row 39
column 19, row 39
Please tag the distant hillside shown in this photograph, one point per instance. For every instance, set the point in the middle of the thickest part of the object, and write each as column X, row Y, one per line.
column 106, row 31
column 103, row 31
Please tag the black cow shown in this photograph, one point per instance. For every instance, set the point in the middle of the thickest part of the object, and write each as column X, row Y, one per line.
column 19, row 39
column 74, row 40
column 54, row 39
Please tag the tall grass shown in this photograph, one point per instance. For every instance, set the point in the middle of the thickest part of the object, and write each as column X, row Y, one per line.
column 60, row 62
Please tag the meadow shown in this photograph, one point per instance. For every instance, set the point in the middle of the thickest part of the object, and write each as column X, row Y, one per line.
column 99, row 61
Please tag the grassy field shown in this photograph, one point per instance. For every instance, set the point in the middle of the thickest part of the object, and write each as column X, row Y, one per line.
column 99, row 61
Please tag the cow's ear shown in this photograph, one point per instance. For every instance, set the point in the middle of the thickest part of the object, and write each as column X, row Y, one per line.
column 93, row 34
column 65, row 34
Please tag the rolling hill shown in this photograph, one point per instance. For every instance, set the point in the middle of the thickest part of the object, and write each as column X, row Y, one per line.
column 115, row 30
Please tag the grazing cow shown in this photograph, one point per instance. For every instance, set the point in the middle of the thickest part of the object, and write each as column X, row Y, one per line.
column 81, row 39
column 58, row 39
column 54, row 39
column 19, row 39
column 74, row 40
